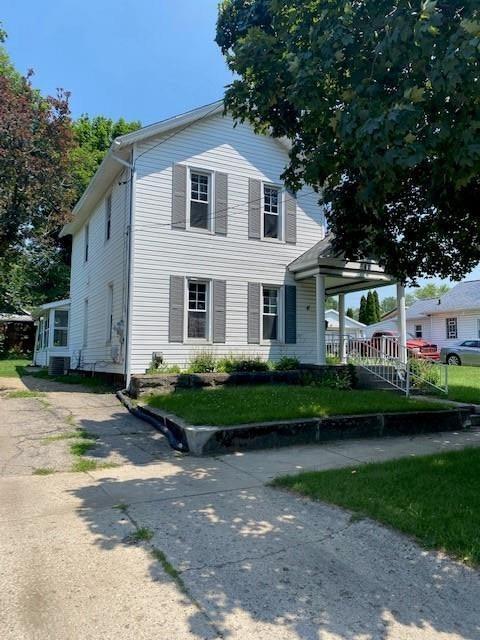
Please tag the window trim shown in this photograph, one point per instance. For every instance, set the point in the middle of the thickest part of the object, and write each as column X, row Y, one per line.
column 109, row 314
column 211, row 198
column 280, row 339
column 280, row 214
column 62, row 328
column 208, row 310
column 108, row 217
column 448, row 328
column 416, row 331
column 86, row 242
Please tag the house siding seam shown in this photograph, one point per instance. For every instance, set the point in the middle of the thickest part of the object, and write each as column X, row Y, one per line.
column 160, row 251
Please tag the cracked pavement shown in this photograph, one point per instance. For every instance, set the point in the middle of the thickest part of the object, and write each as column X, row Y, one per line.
column 241, row 560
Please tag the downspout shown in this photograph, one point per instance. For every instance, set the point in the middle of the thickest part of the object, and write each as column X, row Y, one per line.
column 131, row 220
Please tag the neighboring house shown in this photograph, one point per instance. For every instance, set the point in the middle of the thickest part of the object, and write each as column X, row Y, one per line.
column 17, row 331
column 186, row 239
column 353, row 328
column 453, row 317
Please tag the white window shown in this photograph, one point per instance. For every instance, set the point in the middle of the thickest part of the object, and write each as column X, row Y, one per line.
column 46, row 331
column 40, row 339
column 200, row 190
column 109, row 312
column 452, row 332
column 270, row 314
column 198, row 313
column 85, row 323
column 60, row 328
column 271, row 212
column 108, row 216
column 87, row 233
column 418, row 331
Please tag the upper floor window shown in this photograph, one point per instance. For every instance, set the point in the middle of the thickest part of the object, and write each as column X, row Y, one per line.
column 87, row 233
column 197, row 317
column 270, row 313
column 108, row 216
column 418, row 331
column 451, row 328
column 200, row 200
column 60, row 328
column 271, row 212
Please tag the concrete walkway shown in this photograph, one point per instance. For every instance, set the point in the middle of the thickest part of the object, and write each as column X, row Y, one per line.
column 232, row 558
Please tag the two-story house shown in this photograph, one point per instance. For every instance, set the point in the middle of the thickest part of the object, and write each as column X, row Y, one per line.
column 186, row 239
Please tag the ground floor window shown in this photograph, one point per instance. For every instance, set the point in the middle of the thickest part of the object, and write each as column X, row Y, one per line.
column 60, row 329
column 418, row 331
column 197, row 317
column 452, row 332
column 270, row 313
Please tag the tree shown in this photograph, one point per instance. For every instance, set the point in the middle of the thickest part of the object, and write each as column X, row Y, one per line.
column 431, row 290
column 362, row 313
column 331, row 303
column 376, row 302
column 350, row 313
column 370, row 309
column 380, row 101
column 93, row 137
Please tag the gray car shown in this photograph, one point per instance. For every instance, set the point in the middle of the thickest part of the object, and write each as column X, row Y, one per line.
column 466, row 352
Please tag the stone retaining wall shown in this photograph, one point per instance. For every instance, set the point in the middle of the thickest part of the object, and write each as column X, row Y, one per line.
column 143, row 384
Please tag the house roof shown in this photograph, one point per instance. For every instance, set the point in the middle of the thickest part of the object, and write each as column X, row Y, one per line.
column 349, row 322
column 120, row 149
column 422, row 307
column 16, row 317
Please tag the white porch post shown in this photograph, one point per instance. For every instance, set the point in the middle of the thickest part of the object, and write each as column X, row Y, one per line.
column 320, row 317
column 341, row 327
column 402, row 323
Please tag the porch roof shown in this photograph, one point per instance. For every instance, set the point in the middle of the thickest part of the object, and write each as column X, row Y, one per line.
column 341, row 274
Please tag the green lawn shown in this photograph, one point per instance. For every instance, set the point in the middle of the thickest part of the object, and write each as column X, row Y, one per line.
column 13, row 367
column 434, row 498
column 464, row 384
column 236, row 405
column 93, row 382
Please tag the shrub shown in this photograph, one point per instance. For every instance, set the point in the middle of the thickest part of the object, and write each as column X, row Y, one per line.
column 241, row 364
column 202, row 362
column 159, row 366
column 332, row 360
column 423, row 372
column 287, row 363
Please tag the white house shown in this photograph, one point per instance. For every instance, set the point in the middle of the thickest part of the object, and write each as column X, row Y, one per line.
column 52, row 343
column 353, row 328
column 186, row 239
column 453, row 317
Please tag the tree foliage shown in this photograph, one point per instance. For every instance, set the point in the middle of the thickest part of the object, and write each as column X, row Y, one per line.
column 93, row 137
column 381, row 103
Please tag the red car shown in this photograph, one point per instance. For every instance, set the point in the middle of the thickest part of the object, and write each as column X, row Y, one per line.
column 417, row 347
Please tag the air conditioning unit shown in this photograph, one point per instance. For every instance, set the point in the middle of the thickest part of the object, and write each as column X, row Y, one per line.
column 58, row 365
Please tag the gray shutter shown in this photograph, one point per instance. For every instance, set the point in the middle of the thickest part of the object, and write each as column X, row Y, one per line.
column 219, row 310
column 221, row 203
column 290, row 314
column 290, row 217
column 179, row 196
column 177, row 300
column 254, row 208
column 253, row 325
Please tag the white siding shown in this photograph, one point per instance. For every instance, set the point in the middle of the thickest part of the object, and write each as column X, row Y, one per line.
column 466, row 327
column 214, row 144
column 107, row 261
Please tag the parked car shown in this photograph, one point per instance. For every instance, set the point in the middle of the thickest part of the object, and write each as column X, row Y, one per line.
column 388, row 340
column 466, row 352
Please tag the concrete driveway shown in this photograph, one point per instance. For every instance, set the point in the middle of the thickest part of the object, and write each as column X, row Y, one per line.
column 228, row 557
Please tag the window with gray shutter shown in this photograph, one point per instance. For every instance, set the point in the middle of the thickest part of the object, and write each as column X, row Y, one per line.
column 290, row 314
column 219, row 310
column 177, row 298
column 254, row 208
column 290, row 218
column 179, row 196
column 221, row 203
column 253, row 312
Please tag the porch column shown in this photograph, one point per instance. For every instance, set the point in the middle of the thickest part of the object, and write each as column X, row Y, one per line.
column 402, row 323
column 320, row 317
column 341, row 327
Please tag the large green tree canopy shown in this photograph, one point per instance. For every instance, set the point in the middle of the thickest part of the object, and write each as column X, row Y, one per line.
column 381, row 103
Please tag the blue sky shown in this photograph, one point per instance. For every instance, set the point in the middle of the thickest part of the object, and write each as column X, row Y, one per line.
column 141, row 59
